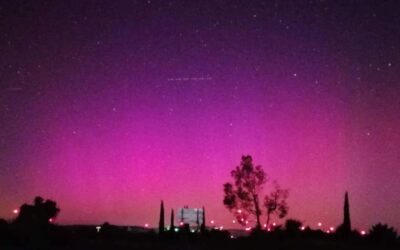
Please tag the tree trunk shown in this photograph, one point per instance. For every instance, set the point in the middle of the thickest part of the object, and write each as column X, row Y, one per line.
column 258, row 212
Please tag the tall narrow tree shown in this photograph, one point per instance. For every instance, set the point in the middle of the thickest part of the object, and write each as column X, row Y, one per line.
column 172, row 225
column 346, row 215
column 203, row 224
column 161, row 222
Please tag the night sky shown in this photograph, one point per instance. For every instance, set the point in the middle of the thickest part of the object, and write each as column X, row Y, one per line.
column 107, row 107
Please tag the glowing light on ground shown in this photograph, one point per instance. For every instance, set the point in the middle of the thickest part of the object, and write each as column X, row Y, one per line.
column 363, row 232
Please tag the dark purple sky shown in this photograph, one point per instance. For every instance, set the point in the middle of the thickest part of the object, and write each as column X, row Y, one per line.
column 109, row 106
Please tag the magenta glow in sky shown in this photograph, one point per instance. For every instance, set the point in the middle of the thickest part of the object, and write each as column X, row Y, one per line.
column 90, row 117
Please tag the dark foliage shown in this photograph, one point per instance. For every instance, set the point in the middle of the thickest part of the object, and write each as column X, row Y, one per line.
column 275, row 202
column 38, row 215
column 161, row 223
column 292, row 227
column 242, row 197
column 382, row 234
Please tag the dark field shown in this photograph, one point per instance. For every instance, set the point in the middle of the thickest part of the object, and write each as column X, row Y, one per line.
column 86, row 237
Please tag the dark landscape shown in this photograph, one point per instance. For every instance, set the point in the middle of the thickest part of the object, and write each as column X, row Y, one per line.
column 200, row 124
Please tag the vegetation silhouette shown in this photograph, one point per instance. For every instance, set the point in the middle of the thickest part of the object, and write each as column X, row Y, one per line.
column 161, row 224
column 203, row 228
column 172, row 223
column 40, row 214
column 293, row 227
column 275, row 203
column 32, row 229
column 242, row 198
column 382, row 234
column 344, row 230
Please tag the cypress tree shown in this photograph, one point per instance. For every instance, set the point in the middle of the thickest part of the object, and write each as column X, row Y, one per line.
column 346, row 215
column 172, row 227
column 203, row 225
column 161, row 223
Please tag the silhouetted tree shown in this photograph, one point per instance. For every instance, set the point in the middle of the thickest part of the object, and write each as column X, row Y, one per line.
column 275, row 202
column 346, row 214
column 38, row 214
column 293, row 226
column 242, row 197
column 161, row 224
column 172, row 226
column 203, row 225
column 382, row 233
column 198, row 219
column 345, row 228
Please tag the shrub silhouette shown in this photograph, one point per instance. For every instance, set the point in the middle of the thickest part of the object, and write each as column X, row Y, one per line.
column 39, row 214
column 382, row 233
column 292, row 227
